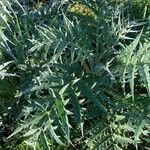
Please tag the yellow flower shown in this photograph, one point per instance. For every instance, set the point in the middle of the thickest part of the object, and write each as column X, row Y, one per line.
column 77, row 7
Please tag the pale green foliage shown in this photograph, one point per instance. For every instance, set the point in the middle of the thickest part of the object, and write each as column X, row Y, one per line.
column 123, row 128
column 135, row 59
column 64, row 69
column 3, row 70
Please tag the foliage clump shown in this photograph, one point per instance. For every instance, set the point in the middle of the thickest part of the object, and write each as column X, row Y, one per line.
column 74, row 78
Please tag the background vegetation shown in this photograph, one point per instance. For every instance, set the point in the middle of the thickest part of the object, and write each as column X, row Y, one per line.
column 74, row 75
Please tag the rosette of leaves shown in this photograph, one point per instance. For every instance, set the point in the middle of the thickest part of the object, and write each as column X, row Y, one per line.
column 56, row 76
column 63, row 64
